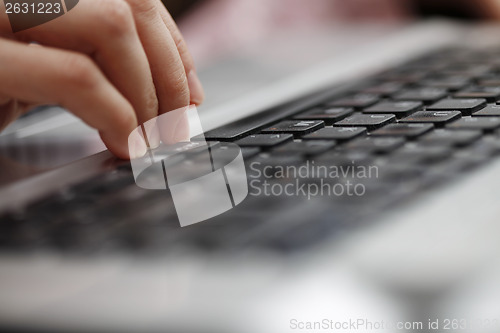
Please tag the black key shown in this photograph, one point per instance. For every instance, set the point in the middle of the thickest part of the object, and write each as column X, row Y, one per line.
column 249, row 152
column 356, row 101
column 430, row 66
column 489, row 81
column 491, row 94
column 488, row 146
column 307, row 148
column 406, row 130
column 425, row 95
column 194, row 147
column 401, row 173
column 403, row 76
column 450, row 83
column 466, row 106
column 370, row 121
column 476, row 123
column 417, row 154
column 252, row 124
column 438, row 118
column 296, row 127
column 328, row 115
column 488, row 111
column 374, row 145
column 399, row 109
column 384, row 89
column 105, row 183
column 458, row 164
column 468, row 71
column 336, row 133
column 457, row 138
column 264, row 140
column 340, row 158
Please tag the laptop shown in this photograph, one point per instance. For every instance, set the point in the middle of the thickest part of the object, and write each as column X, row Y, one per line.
column 393, row 225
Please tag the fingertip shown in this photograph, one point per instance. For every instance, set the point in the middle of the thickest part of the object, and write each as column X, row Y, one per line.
column 124, row 148
column 197, row 93
column 174, row 126
column 181, row 132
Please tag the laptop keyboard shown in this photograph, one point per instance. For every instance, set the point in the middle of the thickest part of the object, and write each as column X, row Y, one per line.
column 422, row 124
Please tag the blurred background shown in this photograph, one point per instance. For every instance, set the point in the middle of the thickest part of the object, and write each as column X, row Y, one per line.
column 215, row 27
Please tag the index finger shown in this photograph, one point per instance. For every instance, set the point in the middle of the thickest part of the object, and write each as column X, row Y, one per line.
column 197, row 95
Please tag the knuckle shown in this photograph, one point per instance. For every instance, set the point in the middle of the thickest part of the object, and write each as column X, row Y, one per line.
column 79, row 70
column 115, row 17
column 152, row 102
column 179, row 42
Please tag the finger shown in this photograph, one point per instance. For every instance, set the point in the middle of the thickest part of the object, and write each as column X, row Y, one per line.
column 164, row 59
column 197, row 95
column 167, row 68
column 5, row 100
column 49, row 76
column 106, row 31
column 9, row 111
column 490, row 9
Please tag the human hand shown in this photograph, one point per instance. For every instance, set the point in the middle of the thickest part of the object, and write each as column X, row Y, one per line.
column 490, row 8
column 115, row 64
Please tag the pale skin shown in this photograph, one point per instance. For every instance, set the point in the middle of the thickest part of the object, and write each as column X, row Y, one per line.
column 114, row 63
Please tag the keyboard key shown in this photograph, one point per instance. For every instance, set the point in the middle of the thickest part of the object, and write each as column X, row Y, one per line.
column 403, row 76
column 249, row 152
column 457, row 138
column 328, row 115
column 384, row 89
column 491, row 94
column 307, row 148
column 425, row 95
column 450, row 83
column 466, row 106
column 374, row 145
column 399, row 109
column 336, row 133
column 296, row 127
column 340, row 158
column 397, row 173
column 406, row 130
column 105, row 183
column 275, row 160
column 252, row 124
column 486, row 146
column 488, row 111
column 356, row 101
column 489, row 81
column 461, row 162
column 438, row 118
column 476, row 123
column 417, row 154
column 194, row 147
column 264, row 140
column 468, row 71
column 370, row 121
